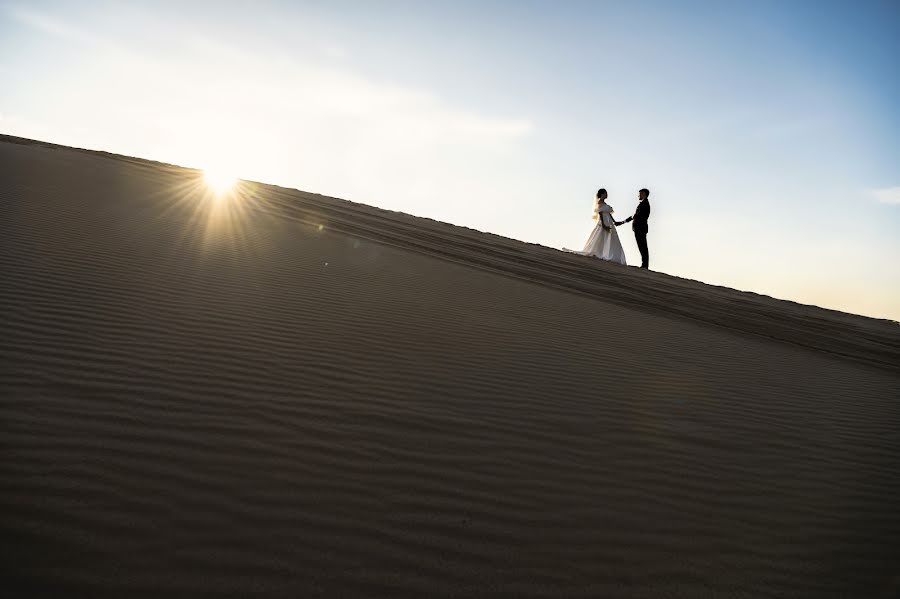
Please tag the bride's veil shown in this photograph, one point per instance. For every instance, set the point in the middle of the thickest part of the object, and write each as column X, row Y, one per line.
column 598, row 209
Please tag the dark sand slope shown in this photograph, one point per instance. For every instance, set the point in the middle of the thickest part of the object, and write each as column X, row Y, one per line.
column 204, row 398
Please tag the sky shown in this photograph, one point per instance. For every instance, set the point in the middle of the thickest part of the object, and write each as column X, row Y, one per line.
column 768, row 132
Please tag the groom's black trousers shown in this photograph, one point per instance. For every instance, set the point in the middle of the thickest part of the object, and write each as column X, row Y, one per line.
column 641, row 238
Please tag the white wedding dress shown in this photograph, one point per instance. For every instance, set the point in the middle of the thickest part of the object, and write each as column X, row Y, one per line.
column 604, row 244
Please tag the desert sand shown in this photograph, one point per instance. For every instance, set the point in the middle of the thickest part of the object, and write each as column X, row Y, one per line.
column 277, row 393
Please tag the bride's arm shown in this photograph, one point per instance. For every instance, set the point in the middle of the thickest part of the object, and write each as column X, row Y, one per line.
column 603, row 221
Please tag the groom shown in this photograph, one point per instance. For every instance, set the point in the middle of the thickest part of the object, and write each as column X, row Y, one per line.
column 639, row 226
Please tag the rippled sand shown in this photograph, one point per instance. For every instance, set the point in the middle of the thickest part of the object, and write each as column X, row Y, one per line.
column 285, row 394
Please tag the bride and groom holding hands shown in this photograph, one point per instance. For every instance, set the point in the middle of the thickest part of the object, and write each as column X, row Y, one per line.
column 604, row 241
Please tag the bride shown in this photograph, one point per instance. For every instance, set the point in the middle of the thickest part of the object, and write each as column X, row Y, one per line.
column 604, row 241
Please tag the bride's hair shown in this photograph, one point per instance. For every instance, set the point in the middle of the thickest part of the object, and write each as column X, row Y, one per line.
column 600, row 192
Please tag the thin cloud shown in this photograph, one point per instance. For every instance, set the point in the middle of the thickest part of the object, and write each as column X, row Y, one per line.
column 54, row 27
column 889, row 195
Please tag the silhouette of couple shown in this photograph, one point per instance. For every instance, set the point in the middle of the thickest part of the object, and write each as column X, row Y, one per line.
column 604, row 240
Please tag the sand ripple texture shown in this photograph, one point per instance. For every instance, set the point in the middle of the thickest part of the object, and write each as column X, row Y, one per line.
column 283, row 394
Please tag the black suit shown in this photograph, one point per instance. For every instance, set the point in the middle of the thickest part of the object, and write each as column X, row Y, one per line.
column 640, row 228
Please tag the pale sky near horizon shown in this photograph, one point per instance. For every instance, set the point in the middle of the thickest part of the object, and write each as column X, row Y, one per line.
column 768, row 132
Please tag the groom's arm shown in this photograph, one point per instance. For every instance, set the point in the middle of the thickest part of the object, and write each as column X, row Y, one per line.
column 643, row 212
column 629, row 219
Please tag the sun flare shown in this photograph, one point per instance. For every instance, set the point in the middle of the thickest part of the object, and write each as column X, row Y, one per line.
column 219, row 181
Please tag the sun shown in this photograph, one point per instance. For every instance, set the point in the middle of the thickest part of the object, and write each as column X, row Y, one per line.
column 220, row 181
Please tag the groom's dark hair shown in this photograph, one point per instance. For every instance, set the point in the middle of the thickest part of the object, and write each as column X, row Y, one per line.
column 600, row 191
column 645, row 190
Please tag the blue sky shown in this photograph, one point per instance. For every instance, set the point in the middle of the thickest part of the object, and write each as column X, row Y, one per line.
column 767, row 131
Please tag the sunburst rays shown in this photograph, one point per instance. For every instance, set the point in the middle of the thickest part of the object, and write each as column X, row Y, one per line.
column 214, row 212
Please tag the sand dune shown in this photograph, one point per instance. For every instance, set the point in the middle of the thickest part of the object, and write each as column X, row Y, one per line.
column 286, row 394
